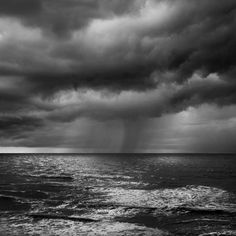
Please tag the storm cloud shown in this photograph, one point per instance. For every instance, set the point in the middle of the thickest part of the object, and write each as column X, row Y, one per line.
column 124, row 62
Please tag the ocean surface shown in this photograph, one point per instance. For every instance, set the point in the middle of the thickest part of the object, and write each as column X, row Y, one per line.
column 117, row 194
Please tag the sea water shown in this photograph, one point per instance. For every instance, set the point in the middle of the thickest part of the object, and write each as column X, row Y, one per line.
column 117, row 194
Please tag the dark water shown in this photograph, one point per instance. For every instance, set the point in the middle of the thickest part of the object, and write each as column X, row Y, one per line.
column 117, row 194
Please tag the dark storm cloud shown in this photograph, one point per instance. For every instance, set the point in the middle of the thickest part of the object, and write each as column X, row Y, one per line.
column 203, row 91
column 16, row 127
column 60, row 17
column 155, row 56
column 196, row 36
column 20, row 8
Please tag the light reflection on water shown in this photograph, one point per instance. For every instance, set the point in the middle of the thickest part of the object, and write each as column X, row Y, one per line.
column 126, row 194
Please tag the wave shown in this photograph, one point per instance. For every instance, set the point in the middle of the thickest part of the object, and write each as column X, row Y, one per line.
column 41, row 216
column 201, row 220
column 12, row 203
column 104, row 176
column 23, row 194
column 195, row 199
column 54, row 177
column 101, row 228
column 222, row 233
column 206, row 210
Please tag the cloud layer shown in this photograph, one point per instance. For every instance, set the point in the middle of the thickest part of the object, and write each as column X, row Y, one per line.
column 111, row 61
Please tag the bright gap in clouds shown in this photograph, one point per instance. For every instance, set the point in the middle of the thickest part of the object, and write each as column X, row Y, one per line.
column 1, row 35
column 33, row 150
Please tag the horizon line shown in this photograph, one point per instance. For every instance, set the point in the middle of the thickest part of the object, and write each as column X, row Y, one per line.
column 123, row 153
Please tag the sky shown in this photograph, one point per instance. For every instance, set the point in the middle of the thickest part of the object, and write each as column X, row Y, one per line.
column 117, row 76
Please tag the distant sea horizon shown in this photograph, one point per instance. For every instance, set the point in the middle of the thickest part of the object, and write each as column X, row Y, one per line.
column 125, row 153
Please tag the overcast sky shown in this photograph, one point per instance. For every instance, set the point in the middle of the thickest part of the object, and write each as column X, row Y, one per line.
column 117, row 75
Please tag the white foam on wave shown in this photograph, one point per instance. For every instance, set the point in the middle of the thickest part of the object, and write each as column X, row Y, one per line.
column 120, row 202
column 222, row 233
column 105, row 176
column 192, row 196
column 54, row 227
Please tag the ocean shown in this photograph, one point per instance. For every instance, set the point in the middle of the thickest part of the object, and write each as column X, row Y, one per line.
column 117, row 194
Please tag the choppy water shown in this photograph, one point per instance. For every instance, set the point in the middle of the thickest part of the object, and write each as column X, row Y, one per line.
column 111, row 194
